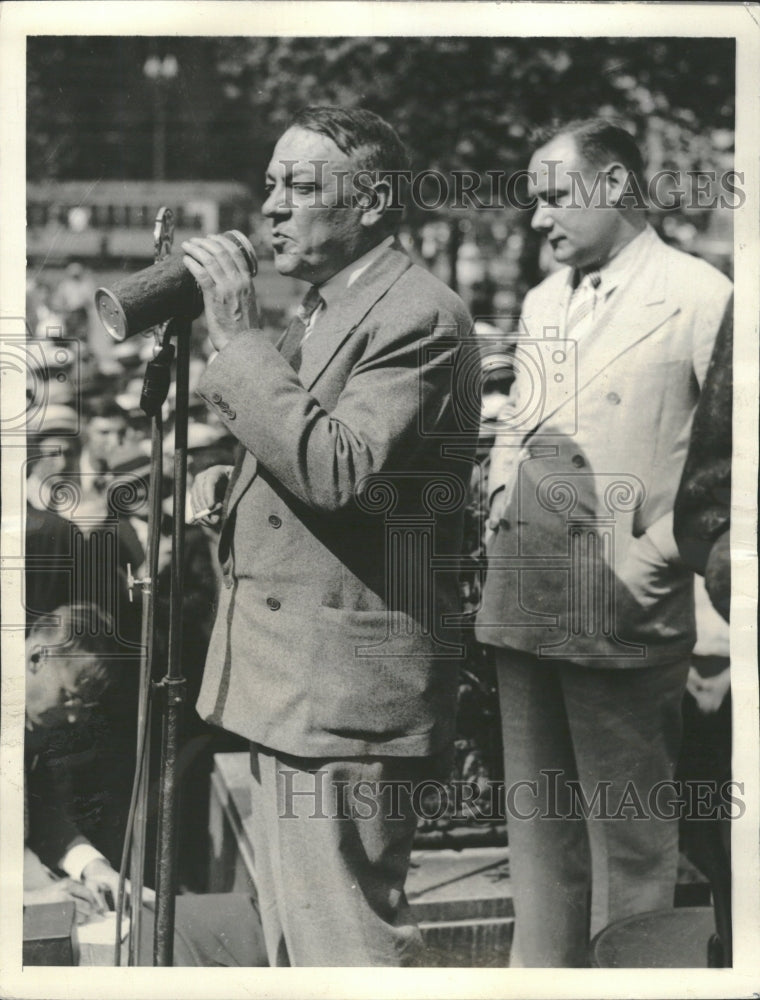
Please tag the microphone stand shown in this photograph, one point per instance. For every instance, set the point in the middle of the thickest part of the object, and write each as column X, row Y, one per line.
column 138, row 814
column 169, row 693
column 173, row 686
column 137, row 863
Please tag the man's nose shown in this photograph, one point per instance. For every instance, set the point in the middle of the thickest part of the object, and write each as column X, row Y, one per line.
column 542, row 220
column 276, row 204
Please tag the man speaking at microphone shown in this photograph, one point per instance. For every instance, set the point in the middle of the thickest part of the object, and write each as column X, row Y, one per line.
column 329, row 653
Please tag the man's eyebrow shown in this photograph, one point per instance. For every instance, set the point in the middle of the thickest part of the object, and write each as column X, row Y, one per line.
column 551, row 190
column 296, row 173
column 304, row 172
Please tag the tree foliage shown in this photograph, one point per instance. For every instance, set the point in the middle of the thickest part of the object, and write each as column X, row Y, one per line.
column 459, row 102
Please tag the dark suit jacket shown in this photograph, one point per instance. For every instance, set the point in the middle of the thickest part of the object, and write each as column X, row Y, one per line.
column 702, row 512
column 330, row 637
column 53, row 553
column 49, row 827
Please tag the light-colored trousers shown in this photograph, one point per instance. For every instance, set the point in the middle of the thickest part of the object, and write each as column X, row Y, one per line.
column 332, row 847
column 615, row 733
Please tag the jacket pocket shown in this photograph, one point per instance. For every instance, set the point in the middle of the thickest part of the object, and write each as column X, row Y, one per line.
column 376, row 675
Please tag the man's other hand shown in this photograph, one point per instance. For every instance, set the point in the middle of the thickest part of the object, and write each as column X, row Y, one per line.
column 87, row 904
column 221, row 270
column 708, row 692
column 101, row 880
column 497, row 512
column 207, row 494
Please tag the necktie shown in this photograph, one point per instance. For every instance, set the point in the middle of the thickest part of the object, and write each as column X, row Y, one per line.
column 580, row 314
column 290, row 348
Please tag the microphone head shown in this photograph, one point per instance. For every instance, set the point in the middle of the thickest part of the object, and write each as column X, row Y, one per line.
column 163, row 291
column 111, row 314
column 247, row 247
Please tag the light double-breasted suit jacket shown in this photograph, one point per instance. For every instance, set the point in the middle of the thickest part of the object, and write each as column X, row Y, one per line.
column 583, row 565
column 330, row 636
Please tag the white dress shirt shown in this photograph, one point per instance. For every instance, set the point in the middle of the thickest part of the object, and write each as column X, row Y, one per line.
column 336, row 286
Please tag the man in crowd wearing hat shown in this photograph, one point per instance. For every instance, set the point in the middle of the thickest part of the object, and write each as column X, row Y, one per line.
column 50, row 539
column 100, row 510
column 71, row 467
column 104, row 436
column 53, row 455
column 331, row 658
column 587, row 602
column 74, row 299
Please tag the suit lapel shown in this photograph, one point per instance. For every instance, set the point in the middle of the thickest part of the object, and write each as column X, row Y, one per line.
column 246, row 464
column 546, row 318
column 633, row 312
column 320, row 348
column 342, row 318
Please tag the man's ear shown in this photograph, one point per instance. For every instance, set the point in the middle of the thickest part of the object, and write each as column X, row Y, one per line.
column 622, row 187
column 373, row 199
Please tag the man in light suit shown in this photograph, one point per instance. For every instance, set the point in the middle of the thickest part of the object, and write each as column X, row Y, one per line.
column 586, row 600
column 331, row 652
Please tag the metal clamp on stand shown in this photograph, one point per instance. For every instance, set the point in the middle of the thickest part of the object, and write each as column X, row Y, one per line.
column 157, row 380
column 143, row 583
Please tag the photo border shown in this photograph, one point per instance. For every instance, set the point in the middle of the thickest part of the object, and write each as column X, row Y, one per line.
column 741, row 21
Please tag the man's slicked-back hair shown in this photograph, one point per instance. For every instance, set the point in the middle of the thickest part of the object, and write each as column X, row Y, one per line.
column 598, row 140
column 84, row 629
column 357, row 132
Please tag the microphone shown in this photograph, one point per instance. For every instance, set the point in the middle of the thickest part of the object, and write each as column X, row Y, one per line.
column 163, row 291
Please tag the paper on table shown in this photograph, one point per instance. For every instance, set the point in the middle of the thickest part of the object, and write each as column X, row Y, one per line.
column 102, row 929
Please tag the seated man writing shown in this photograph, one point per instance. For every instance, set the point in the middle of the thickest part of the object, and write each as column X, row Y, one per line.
column 68, row 669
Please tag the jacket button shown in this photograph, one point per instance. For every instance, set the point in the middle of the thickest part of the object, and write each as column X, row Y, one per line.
column 578, row 461
column 231, row 413
column 273, row 604
column 216, row 397
column 275, row 521
column 613, row 398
